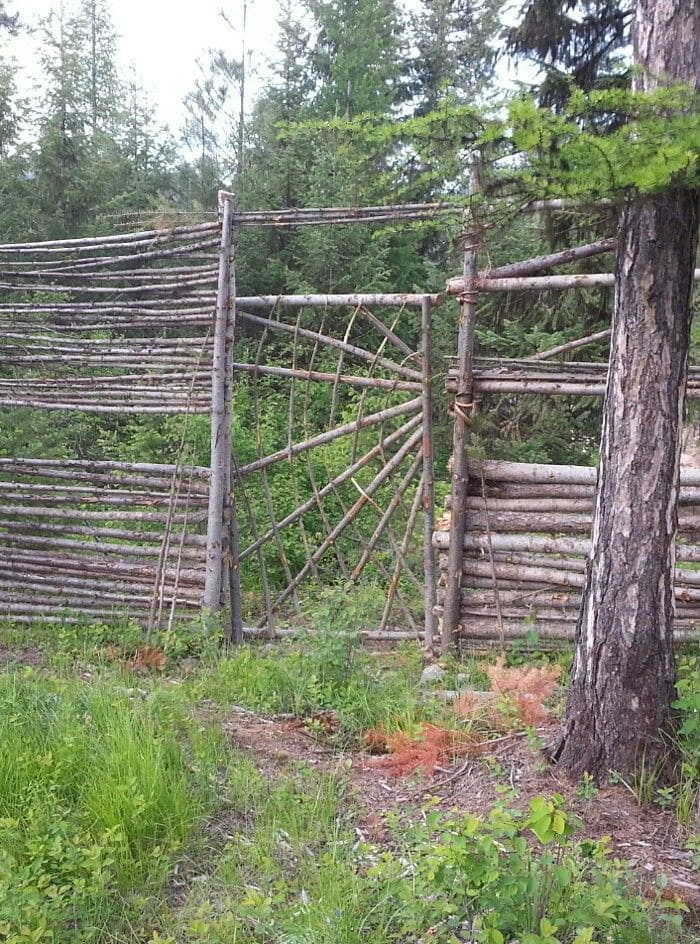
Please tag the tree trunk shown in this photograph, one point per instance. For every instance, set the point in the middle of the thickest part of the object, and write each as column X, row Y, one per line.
column 623, row 678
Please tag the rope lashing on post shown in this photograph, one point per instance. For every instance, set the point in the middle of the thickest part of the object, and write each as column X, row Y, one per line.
column 463, row 409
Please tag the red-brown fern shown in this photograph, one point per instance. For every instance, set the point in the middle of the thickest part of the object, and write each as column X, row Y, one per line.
column 432, row 747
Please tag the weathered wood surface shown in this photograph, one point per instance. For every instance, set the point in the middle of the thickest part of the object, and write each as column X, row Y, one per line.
column 526, row 545
column 89, row 538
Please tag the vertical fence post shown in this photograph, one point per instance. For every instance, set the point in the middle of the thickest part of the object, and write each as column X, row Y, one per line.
column 220, row 481
column 232, row 561
column 462, row 415
column 428, row 473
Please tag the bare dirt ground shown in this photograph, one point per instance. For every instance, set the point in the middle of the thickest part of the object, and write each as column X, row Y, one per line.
column 31, row 656
column 646, row 836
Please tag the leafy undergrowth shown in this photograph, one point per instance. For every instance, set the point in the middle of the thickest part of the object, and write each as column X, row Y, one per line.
column 125, row 817
column 294, row 870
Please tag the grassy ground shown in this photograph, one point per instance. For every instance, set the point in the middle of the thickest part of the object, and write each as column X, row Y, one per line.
column 129, row 811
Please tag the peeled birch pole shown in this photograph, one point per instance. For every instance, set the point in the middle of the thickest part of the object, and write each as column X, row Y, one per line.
column 571, row 346
column 549, row 261
column 387, row 332
column 220, row 481
column 429, row 564
column 548, row 283
column 338, row 301
column 401, row 489
column 347, row 380
column 232, row 562
column 85, row 242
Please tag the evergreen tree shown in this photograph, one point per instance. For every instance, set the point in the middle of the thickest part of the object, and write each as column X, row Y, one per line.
column 214, row 132
column 92, row 32
column 573, row 40
column 205, row 169
column 97, row 154
column 455, row 56
column 63, row 145
column 8, row 21
column 17, row 204
column 358, row 56
column 10, row 106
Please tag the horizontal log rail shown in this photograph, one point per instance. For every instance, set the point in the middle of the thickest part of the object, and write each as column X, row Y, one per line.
column 553, row 379
column 540, row 283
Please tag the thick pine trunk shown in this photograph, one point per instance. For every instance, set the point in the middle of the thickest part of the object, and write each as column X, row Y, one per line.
column 624, row 673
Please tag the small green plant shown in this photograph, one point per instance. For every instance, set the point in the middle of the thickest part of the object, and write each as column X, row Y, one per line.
column 666, row 797
column 688, row 740
column 693, row 845
column 643, row 785
column 587, row 788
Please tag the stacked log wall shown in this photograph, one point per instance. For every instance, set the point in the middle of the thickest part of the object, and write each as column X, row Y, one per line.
column 526, row 547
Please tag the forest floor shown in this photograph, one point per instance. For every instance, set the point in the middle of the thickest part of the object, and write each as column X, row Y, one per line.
column 283, row 794
column 648, row 837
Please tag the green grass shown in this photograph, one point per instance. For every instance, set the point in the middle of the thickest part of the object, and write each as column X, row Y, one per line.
column 126, row 818
column 99, row 790
column 289, row 870
column 318, row 675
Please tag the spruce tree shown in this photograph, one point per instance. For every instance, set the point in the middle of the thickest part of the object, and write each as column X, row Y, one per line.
column 63, row 145
column 358, row 56
column 84, row 159
column 454, row 42
column 573, row 40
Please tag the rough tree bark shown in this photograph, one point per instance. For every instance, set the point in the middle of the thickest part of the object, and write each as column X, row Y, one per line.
column 623, row 678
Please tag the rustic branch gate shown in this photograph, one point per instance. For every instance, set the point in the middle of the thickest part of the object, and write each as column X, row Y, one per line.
column 357, row 470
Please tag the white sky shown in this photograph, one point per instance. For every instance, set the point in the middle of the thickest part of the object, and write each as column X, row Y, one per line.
column 163, row 39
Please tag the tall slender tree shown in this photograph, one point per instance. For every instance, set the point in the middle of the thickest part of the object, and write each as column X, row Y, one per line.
column 619, row 708
column 357, row 55
column 455, row 51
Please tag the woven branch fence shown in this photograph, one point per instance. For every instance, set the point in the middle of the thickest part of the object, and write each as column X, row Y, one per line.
column 120, row 325
column 320, row 470
column 525, row 550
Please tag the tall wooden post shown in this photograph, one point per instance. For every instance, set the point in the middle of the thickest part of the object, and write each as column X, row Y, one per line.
column 220, row 482
column 462, row 414
column 232, row 561
column 428, row 473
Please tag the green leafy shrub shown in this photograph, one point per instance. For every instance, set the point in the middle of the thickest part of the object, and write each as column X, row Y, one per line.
column 518, row 878
column 688, row 740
